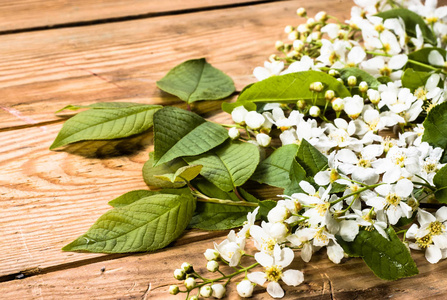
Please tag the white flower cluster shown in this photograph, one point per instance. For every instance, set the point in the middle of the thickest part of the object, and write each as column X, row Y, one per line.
column 373, row 181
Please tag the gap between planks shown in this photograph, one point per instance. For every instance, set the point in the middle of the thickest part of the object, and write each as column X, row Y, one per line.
column 135, row 17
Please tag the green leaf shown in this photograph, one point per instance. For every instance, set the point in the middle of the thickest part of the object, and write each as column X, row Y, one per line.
column 384, row 79
column 435, row 126
column 275, row 170
column 312, row 160
column 422, row 57
column 389, row 260
column 101, row 105
column 150, row 172
column 361, row 75
column 106, row 124
column 133, row 196
column 213, row 216
column 228, row 166
column 148, row 224
column 291, row 87
column 178, row 133
column 195, row 80
column 440, row 181
column 411, row 19
column 186, row 173
column 296, row 175
column 414, row 79
column 210, row 216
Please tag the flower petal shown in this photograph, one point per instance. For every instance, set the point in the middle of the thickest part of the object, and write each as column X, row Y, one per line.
column 264, row 259
column 275, row 290
column 292, row 277
column 433, row 254
column 257, row 277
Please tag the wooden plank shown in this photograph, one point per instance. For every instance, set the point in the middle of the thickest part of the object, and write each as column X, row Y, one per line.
column 26, row 14
column 130, row 277
column 122, row 61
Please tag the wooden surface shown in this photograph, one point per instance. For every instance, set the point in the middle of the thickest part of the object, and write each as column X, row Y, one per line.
column 115, row 51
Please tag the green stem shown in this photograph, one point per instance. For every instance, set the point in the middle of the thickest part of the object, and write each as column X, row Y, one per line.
column 236, row 192
column 227, row 276
column 368, row 187
column 226, row 202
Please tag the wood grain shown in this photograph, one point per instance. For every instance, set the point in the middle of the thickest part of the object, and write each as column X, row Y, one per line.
column 31, row 14
column 130, row 277
column 121, row 61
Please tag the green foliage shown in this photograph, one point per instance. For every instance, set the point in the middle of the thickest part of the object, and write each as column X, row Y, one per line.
column 291, row 87
column 440, row 181
column 312, row 160
column 414, row 79
column 178, row 133
column 195, row 80
column 150, row 172
column 275, row 169
column 435, row 126
column 133, row 196
column 422, row 56
column 148, row 224
column 411, row 19
column 213, row 216
column 183, row 174
column 106, row 124
column 388, row 259
column 229, row 165
column 296, row 175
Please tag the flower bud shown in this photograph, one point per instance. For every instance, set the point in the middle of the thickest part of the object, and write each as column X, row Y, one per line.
column 254, row 120
column 329, row 95
column 179, row 274
column 211, row 254
column 174, row 290
column 352, row 80
column 189, row 283
column 206, row 291
column 212, row 266
column 333, row 72
column 340, row 80
column 263, row 139
column 279, row 45
column 373, row 96
column 298, row 45
column 187, row 267
column 314, row 111
column 302, row 28
column 195, row 297
column 301, row 104
column 218, row 290
column 338, row 104
column 245, row 288
column 238, row 114
column 363, row 86
column 233, row 133
column 288, row 29
column 310, row 22
column 321, row 16
column 317, row 86
column 301, row 12
column 273, row 57
column 293, row 35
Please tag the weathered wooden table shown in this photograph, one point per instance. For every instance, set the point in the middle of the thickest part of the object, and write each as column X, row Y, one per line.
column 55, row 53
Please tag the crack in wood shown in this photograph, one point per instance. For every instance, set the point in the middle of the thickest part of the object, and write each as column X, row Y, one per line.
column 134, row 17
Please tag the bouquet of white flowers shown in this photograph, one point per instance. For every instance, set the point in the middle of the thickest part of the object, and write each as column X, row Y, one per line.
column 349, row 122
